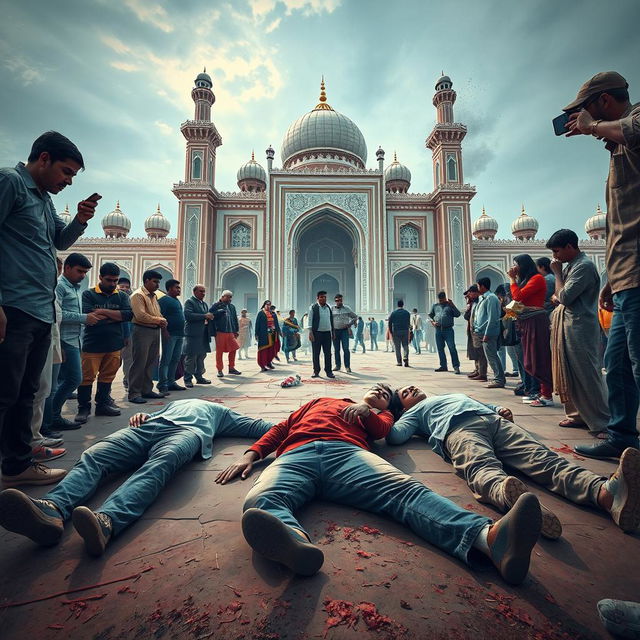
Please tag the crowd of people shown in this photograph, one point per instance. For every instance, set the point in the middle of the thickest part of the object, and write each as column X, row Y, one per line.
column 57, row 341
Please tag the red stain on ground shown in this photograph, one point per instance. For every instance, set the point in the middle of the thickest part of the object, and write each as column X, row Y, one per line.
column 565, row 448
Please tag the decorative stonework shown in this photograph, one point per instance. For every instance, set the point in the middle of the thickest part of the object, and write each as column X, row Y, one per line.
column 457, row 251
column 192, row 242
column 297, row 203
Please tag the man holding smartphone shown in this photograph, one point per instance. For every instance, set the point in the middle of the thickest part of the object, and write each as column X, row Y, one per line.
column 602, row 109
column 30, row 233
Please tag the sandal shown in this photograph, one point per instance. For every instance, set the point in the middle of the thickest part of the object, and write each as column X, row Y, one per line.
column 569, row 423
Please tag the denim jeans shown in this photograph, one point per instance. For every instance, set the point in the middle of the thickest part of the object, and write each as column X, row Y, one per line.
column 344, row 473
column 171, row 352
column 446, row 335
column 156, row 450
column 502, row 354
column 47, row 413
column 359, row 340
column 374, row 343
column 622, row 361
column 491, row 353
column 417, row 340
column 69, row 377
column 341, row 340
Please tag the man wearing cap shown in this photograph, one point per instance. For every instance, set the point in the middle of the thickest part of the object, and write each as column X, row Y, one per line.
column 602, row 109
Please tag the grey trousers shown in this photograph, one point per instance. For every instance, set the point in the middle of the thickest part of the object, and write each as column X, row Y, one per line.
column 194, row 366
column 145, row 351
column 126, row 353
column 479, row 445
column 401, row 339
column 491, row 354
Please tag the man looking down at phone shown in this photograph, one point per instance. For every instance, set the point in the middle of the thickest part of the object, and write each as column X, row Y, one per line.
column 30, row 233
column 323, row 451
column 602, row 109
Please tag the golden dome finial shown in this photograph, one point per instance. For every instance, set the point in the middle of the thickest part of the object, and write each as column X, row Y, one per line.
column 598, row 210
column 158, row 209
column 483, row 211
column 204, row 70
column 395, row 157
column 253, row 156
column 117, row 204
column 323, row 98
column 524, row 213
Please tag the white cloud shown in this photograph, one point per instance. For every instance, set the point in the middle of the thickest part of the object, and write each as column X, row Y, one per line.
column 23, row 69
column 115, row 44
column 273, row 25
column 165, row 129
column 150, row 13
column 261, row 8
column 124, row 66
column 207, row 22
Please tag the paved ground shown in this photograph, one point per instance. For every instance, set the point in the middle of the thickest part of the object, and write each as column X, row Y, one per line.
column 184, row 570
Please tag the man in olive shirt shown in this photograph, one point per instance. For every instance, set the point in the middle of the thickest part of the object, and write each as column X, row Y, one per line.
column 602, row 109
column 30, row 233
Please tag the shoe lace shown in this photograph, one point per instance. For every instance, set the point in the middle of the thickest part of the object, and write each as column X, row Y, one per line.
column 38, row 467
column 105, row 521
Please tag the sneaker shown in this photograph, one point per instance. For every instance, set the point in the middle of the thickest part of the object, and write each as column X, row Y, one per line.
column 204, row 380
column 456, row 370
column 512, row 538
column 51, row 442
column 235, row 372
column 38, row 520
column 271, row 538
column 35, row 474
column 529, row 399
column 542, row 402
column 94, row 528
column 624, row 486
column 220, row 374
column 441, row 369
column 44, row 454
column 495, row 385
column 513, row 488
column 620, row 618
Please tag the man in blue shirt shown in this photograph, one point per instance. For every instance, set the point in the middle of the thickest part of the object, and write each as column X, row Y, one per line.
column 30, row 233
column 154, row 447
column 443, row 314
column 478, row 438
column 172, row 339
column 486, row 329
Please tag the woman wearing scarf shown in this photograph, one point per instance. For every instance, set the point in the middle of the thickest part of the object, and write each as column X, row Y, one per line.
column 267, row 332
column 530, row 288
column 290, row 335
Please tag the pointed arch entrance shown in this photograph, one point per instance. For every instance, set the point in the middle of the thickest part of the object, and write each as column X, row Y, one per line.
column 411, row 285
column 244, row 284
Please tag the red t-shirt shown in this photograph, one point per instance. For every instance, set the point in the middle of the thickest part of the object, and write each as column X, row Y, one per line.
column 321, row 419
column 533, row 293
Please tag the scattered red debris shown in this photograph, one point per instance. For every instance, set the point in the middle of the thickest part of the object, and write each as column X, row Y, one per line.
column 505, row 609
column 233, row 607
column 189, row 616
column 342, row 612
column 565, row 448
column 372, row 531
column 237, row 593
column 372, row 618
column 57, row 627
column 359, row 568
column 350, row 534
column 126, row 589
column 364, row 554
column 439, row 588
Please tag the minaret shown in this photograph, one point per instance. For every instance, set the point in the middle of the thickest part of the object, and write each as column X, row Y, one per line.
column 196, row 215
column 380, row 158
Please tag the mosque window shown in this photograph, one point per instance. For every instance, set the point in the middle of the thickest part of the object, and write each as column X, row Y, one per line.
column 409, row 238
column 210, row 170
column 452, row 169
column 196, row 165
column 241, row 236
column 437, row 173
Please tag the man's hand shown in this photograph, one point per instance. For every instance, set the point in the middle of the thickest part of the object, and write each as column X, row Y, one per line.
column 208, row 316
column 353, row 412
column 579, row 123
column 137, row 419
column 3, row 325
column 243, row 467
column 310, row 336
column 606, row 298
column 505, row 413
column 485, row 338
column 93, row 318
column 555, row 300
column 556, row 266
column 87, row 209
column 163, row 323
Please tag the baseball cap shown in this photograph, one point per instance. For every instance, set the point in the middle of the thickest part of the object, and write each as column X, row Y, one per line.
column 598, row 84
column 472, row 289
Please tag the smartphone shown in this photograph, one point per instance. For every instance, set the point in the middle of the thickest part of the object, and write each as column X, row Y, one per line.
column 559, row 124
column 94, row 197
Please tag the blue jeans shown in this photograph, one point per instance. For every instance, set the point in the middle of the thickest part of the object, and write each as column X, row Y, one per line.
column 359, row 340
column 341, row 340
column 502, row 354
column 171, row 352
column 446, row 335
column 69, row 378
column 622, row 361
column 47, row 413
column 374, row 342
column 417, row 340
column 344, row 473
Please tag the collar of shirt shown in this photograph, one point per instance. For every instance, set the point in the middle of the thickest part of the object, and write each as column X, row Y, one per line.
column 97, row 289
column 69, row 283
column 21, row 168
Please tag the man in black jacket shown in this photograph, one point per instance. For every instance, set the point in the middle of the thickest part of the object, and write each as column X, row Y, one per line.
column 399, row 323
column 226, row 330
column 321, row 333
column 197, row 336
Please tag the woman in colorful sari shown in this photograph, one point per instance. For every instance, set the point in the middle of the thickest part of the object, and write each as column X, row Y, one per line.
column 267, row 332
column 291, row 335
column 530, row 288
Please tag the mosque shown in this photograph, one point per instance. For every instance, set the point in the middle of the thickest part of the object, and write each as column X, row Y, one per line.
column 325, row 220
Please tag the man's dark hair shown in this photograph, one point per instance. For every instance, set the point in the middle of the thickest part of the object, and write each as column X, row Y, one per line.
column 545, row 263
column 292, row 310
column 401, row 303
column 109, row 269
column 338, row 295
column 170, row 283
column 442, row 294
column 561, row 239
column 484, row 282
column 124, row 280
column 57, row 146
column 395, row 405
column 414, row 310
column 321, row 293
column 501, row 291
column 77, row 260
column 150, row 275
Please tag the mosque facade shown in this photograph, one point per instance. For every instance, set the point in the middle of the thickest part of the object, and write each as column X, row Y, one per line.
column 324, row 220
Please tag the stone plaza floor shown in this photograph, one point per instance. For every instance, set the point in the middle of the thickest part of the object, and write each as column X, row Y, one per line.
column 185, row 571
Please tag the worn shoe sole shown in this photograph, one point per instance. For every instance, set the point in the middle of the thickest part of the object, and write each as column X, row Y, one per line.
column 19, row 515
column 89, row 529
column 551, row 525
column 518, row 533
column 626, row 504
column 273, row 539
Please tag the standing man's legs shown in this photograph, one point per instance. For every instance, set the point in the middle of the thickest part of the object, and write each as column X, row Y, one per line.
column 491, row 354
column 40, row 398
column 326, row 347
column 69, row 378
column 404, row 339
column 315, row 351
column 127, row 358
column 481, row 363
column 397, row 347
column 168, row 347
column 337, row 344
column 440, row 342
column 450, row 339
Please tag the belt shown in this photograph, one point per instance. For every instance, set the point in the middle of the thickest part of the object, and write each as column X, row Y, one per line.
column 144, row 326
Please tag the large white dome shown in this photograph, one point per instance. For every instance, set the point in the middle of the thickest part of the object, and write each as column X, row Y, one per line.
column 324, row 129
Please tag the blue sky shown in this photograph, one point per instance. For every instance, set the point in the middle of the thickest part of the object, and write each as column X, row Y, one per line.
column 115, row 76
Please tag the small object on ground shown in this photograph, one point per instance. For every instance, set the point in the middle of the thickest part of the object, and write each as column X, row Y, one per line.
column 291, row 381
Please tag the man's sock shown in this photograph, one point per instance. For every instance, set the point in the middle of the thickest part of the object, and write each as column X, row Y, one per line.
column 481, row 543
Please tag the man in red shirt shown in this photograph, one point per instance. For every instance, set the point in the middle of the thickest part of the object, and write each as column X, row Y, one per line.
column 322, row 450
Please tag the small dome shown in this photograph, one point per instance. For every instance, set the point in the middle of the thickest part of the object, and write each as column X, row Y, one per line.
column 596, row 225
column 116, row 224
column 65, row 215
column 156, row 225
column 203, row 80
column 251, row 173
column 524, row 227
column 485, row 227
column 444, row 83
column 397, row 177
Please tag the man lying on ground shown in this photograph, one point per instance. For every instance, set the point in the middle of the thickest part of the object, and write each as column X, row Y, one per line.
column 155, row 446
column 322, row 450
column 478, row 438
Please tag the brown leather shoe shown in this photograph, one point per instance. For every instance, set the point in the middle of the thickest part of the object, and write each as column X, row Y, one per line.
column 35, row 474
column 481, row 379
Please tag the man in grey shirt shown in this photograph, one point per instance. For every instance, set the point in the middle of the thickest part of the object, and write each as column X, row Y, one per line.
column 343, row 319
column 30, row 233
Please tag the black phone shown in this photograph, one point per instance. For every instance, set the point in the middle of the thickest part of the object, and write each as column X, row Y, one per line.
column 94, row 197
column 559, row 124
